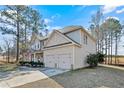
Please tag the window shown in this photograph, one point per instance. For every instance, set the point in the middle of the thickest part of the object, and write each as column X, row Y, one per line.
column 38, row 46
column 85, row 39
column 42, row 44
column 35, row 47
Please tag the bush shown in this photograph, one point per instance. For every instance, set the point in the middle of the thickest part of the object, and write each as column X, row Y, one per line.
column 94, row 59
column 100, row 57
column 37, row 63
column 22, row 63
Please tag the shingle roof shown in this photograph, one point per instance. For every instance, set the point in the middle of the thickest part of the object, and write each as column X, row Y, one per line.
column 74, row 28
column 70, row 28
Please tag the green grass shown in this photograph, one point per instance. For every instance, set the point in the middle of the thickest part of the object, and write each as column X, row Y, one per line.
column 7, row 67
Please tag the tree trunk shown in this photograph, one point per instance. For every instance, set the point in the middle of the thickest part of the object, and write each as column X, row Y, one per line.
column 17, row 55
column 116, row 48
column 25, row 36
column 8, row 54
column 106, row 49
column 111, row 47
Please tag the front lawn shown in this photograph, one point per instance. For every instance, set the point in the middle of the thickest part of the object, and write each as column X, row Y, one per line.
column 7, row 67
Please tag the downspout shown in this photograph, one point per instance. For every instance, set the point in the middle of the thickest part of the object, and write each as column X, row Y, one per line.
column 73, row 65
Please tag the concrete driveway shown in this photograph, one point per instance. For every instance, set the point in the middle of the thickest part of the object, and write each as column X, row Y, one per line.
column 99, row 77
column 23, row 75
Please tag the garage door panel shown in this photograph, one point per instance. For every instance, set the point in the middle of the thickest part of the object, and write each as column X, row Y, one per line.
column 62, row 61
column 49, row 61
column 65, row 61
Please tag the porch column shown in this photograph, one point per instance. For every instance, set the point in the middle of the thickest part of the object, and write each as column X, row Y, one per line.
column 34, row 57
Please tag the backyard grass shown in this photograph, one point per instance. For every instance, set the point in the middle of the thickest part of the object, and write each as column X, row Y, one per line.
column 120, row 60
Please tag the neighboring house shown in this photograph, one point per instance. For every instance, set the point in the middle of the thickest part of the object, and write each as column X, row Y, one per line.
column 36, row 47
column 67, row 48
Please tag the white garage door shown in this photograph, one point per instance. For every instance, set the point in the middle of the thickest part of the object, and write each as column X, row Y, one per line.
column 62, row 61
column 50, row 62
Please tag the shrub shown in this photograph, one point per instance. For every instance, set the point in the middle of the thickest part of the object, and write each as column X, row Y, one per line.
column 22, row 63
column 94, row 59
column 100, row 57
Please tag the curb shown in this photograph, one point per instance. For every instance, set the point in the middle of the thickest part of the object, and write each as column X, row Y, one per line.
column 114, row 67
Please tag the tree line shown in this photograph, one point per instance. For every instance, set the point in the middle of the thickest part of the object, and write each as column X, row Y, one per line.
column 107, row 32
column 20, row 21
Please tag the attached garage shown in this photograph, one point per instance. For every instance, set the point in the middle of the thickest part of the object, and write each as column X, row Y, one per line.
column 59, row 57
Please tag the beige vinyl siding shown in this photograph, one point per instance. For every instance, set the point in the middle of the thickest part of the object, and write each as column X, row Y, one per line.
column 75, row 35
column 82, row 52
column 56, row 39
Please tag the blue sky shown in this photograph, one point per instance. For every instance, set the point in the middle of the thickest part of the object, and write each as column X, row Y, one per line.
column 58, row 16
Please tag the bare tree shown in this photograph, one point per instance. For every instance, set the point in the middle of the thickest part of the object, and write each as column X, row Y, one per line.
column 7, row 46
column 96, row 20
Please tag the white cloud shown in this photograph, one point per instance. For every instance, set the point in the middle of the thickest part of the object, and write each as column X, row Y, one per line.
column 107, row 9
column 55, row 16
column 120, row 11
column 113, row 17
column 50, row 28
column 81, row 8
column 56, row 27
column 47, row 21
column 93, row 12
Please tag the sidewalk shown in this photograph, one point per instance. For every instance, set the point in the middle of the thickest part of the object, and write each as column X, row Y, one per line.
column 111, row 66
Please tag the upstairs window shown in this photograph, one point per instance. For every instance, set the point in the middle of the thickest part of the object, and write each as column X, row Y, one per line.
column 42, row 44
column 35, row 47
column 85, row 39
column 38, row 46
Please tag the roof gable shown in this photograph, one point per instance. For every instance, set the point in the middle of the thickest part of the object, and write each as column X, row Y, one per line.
column 34, row 38
column 56, row 38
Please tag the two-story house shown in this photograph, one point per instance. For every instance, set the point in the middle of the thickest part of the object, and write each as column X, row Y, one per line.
column 67, row 48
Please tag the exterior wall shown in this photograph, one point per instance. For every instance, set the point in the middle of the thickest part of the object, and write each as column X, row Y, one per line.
column 45, row 41
column 75, row 35
column 56, row 53
column 81, row 53
column 56, row 39
column 90, row 47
